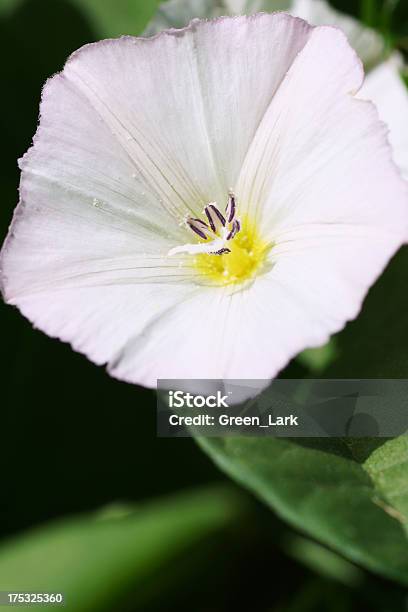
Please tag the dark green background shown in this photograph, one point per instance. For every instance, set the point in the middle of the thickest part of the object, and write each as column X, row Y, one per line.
column 73, row 439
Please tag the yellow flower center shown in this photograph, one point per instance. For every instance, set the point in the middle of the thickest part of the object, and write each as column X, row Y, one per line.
column 247, row 257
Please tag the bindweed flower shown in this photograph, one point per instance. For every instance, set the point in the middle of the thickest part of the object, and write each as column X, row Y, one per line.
column 205, row 203
column 383, row 84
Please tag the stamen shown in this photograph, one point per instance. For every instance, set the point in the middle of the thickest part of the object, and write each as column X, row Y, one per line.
column 215, row 217
column 230, row 208
column 221, row 251
column 199, row 227
column 216, row 232
column 236, row 226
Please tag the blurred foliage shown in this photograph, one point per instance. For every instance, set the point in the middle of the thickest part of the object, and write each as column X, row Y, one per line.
column 108, row 18
column 318, row 359
column 112, row 18
column 75, row 440
column 103, row 560
column 375, row 344
column 390, row 17
column 324, row 561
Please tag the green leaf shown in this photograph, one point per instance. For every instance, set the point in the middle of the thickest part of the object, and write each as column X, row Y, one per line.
column 111, row 18
column 319, row 486
column 97, row 560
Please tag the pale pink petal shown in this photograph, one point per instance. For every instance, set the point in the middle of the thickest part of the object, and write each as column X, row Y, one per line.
column 321, row 156
column 174, row 102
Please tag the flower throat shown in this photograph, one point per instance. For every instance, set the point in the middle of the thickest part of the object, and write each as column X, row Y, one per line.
column 229, row 250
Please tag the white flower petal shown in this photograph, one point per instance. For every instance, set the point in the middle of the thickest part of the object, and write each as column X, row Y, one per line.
column 368, row 44
column 173, row 101
column 218, row 334
column 99, row 320
column 321, row 155
column 385, row 87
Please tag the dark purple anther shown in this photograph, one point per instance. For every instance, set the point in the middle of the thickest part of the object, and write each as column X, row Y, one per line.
column 214, row 216
column 236, row 226
column 221, row 251
column 230, row 208
column 199, row 227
